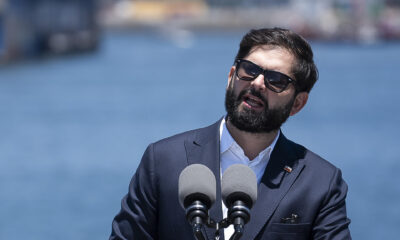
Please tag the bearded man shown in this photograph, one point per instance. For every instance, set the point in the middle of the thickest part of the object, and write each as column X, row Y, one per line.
column 300, row 195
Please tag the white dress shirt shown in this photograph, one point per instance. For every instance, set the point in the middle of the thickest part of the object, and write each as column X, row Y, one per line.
column 232, row 153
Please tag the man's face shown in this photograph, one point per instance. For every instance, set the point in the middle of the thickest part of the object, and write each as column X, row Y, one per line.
column 250, row 105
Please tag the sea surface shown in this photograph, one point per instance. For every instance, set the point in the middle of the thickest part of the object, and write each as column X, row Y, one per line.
column 73, row 128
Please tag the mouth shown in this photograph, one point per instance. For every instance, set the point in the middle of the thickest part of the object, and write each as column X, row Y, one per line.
column 253, row 102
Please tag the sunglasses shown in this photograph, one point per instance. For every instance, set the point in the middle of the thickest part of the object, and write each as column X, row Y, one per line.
column 275, row 81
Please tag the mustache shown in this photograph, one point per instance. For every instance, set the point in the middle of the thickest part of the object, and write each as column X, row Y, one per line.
column 253, row 92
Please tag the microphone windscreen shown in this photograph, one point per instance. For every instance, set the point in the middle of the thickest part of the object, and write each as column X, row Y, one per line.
column 239, row 183
column 197, row 182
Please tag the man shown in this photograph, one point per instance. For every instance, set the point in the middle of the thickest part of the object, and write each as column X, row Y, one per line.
column 300, row 195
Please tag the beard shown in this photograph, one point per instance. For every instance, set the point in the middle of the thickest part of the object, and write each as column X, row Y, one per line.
column 252, row 121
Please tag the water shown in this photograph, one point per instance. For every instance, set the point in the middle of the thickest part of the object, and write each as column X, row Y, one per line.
column 73, row 129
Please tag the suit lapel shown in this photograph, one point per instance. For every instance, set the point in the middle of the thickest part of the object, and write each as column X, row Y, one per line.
column 274, row 185
column 204, row 149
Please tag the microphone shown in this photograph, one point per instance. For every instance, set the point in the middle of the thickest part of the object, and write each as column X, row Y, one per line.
column 197, row 193
column 239, row 193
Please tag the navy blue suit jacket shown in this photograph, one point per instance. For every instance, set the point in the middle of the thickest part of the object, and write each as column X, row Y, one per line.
column 314, row 190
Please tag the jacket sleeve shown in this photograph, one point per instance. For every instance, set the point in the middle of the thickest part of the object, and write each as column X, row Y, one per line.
column 138, row 216
column 332, row 222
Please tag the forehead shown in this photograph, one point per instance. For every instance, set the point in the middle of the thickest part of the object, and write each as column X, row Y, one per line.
column 272, row 58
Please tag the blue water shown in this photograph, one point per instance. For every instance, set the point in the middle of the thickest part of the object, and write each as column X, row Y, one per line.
column 73, row 129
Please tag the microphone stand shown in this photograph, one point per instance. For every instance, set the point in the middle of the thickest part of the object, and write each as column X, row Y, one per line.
column 197, row 231
column 195, row 214
column 224, row 223
column 238, row 215
column 238, row 232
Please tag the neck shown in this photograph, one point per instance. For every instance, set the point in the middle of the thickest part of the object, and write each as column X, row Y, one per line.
column 251, row 143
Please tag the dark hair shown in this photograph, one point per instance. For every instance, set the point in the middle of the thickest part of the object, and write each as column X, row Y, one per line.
column 304, row 69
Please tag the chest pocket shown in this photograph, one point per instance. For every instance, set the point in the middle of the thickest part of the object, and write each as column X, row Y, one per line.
column 281, row 231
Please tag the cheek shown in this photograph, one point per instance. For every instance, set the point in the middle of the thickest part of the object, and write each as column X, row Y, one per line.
column 276, row 101
column 238, row 86
column 273, row 102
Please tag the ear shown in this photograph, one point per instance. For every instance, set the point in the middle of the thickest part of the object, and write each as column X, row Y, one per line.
column 299, row 102
column 231, row 73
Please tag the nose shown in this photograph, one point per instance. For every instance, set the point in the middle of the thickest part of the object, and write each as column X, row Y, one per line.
column 258, row 83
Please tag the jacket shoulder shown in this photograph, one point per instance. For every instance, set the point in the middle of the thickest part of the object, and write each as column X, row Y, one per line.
column 311, row 158
column 198, row 134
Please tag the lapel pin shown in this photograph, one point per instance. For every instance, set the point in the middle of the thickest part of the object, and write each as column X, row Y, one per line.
column 288, row 169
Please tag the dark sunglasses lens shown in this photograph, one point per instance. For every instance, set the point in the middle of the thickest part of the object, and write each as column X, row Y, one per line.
column 276, row 81
column 247, row 71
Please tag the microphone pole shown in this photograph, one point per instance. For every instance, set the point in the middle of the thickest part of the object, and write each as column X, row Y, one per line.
column 239, row 215
column 195, row 214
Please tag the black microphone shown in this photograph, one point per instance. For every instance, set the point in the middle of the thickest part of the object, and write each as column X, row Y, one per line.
column 239, row 193
column 197, row 193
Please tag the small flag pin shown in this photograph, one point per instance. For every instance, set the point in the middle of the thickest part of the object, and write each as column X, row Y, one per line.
column 288, row 169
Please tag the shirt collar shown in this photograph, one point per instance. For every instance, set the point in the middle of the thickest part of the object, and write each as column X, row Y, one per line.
column 225, row 137
column 227, row 141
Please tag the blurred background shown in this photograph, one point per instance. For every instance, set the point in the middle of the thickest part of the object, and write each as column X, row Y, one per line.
column 86, row 85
